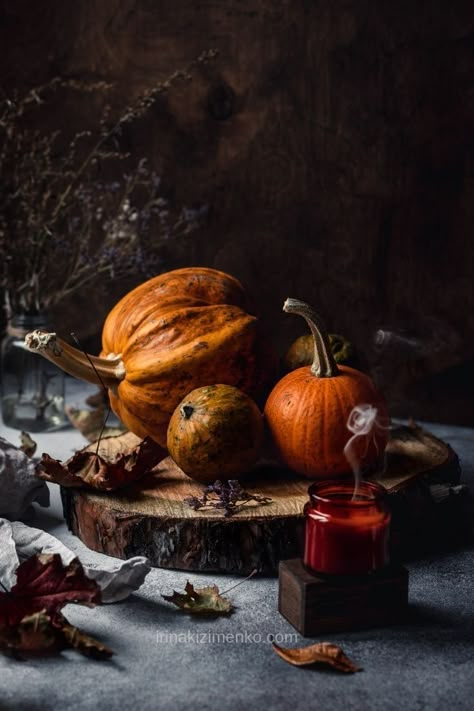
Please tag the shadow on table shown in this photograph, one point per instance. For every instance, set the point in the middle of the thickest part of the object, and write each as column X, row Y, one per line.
column 425, row 629
column 46, row 519
column 426, row 616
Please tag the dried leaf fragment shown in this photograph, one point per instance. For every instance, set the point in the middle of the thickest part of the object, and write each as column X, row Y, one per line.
column 320, row 653
column 91, row 423
column 41, row 633
column 19, row 483
column 201, row 601
column 227, row 496
column 111, row 469
column 84, row 643
column 86, row 421
column 34, row 633
column 28, row 445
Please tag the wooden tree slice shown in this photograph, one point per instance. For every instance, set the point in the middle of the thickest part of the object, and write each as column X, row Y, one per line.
column 149, row 517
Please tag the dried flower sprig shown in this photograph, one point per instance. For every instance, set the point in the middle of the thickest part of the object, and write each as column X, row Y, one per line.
column 228, row 496
column 63, row 223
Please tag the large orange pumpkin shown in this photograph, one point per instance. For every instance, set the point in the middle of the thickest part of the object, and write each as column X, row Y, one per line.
column 176, row 332
column 308, row 411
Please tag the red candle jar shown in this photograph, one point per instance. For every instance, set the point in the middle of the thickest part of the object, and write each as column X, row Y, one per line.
column 346, row 534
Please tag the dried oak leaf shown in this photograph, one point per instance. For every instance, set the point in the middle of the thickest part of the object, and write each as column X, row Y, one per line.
column 321, row 653
column 43, row 583
column 201, row 601
column 116, row 465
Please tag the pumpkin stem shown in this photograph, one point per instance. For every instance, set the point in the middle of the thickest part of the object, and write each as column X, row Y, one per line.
column 187, row 411
column 324, row 364
column 110, row 370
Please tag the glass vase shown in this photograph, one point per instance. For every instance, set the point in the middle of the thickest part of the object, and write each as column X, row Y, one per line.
column 32, row 388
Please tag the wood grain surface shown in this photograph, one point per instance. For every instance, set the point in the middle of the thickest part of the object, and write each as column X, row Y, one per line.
column 332, row 142
column 150, row 517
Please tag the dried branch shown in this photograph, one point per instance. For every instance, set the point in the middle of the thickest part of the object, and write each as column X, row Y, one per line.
column 62, row 223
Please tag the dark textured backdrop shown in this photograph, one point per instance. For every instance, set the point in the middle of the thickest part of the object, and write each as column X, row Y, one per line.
column 332, row 140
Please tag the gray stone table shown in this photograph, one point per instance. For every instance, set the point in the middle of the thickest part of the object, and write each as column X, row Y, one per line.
column 167, row 660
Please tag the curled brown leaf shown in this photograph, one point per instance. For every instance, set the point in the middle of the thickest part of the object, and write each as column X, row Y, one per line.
column 320, row 653
column 117, row 464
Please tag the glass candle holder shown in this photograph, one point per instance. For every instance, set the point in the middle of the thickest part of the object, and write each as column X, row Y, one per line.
column 346, row 534
column 32, row 388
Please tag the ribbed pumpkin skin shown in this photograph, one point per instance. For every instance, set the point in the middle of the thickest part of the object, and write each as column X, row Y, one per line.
column 307, row 417
column 216, row 432
column 176, row 332
column 197, row 286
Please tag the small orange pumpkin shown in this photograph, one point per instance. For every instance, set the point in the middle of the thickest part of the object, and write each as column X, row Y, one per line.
column 216, row 432
column 307, row 411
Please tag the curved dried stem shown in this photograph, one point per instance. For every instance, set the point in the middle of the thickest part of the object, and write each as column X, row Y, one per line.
column 324, row 364
column 107, row 372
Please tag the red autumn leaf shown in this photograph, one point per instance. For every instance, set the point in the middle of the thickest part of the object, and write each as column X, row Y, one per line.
column 45, row 584
column 122, row 460
column 30, row 617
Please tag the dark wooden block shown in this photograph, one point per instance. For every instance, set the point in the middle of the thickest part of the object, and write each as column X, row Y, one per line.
column 314, row 603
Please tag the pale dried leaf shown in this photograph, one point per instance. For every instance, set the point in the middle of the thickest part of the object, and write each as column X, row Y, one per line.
column 19, row 483
column 90, row 423
column 86, row 421
column 28, row 445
